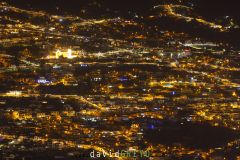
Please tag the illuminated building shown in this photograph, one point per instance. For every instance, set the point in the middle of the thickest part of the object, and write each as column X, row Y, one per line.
column 42, row 80
column 15, row 115
column 14, row 93
column 65, row 54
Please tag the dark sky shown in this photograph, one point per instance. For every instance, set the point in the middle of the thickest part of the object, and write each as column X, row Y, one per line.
column 218, row 7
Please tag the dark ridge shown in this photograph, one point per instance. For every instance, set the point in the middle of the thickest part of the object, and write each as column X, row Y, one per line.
column 209, row 9
column 205, row 7
column 195, row 29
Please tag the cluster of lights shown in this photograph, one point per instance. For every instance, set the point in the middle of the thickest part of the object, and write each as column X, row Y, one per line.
column 67, row 54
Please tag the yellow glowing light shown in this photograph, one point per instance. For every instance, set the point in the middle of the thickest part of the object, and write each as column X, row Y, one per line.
column 234, row 94
column 120, row 86
column 14, row 93
column 58, row 53
column 65, row 54
column 69, row 53
column 15, row 115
